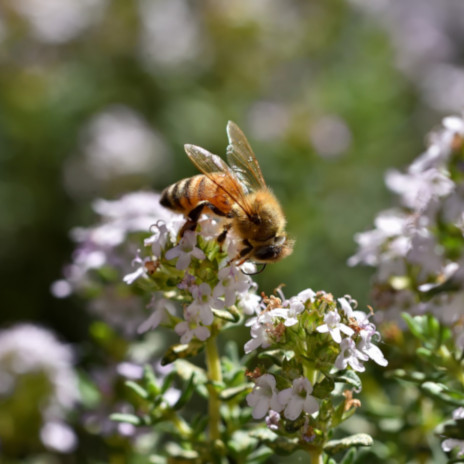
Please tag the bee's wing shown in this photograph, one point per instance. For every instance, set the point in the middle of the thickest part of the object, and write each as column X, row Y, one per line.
column 208, row 163
column 242, row 159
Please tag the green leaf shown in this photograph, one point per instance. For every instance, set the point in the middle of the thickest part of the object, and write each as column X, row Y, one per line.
column 137, row 389
column 336, row 446
column 127, row 418
column 280, row 445
column 182, row 351
column 441, row 392
column 230, row 393
column 186, row 393
column 350, row 377
column 230, row 315
column 261, row 455
column 150, row 381
column 415, row 325
column 324, row 388
column 185, row 369
column 349, row 457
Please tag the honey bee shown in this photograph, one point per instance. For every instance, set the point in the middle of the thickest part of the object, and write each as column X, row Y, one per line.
column 236, row 192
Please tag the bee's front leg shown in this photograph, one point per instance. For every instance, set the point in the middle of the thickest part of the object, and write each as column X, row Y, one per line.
column 194, row 215
column 244, row 254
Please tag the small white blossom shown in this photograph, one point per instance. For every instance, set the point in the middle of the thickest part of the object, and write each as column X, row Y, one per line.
column 161, row 307
column 298, row 399
column 58, row 436
column 261, row 332
column 249, row 303
column 189, row 330
column 451, row 443
column 334, row 326
column 159, row 238
column 371, row 350
column 185, row 250
column 264, row 396
column 350, row 355
column 458, row 414
column 231, row 282
column 201, row 308
column 141, row 270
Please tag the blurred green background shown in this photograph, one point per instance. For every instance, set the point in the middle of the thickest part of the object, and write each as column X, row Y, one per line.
column 97, row 98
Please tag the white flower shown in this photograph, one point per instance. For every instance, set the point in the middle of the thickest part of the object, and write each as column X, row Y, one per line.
column 161, row 307
column 159, row 238
column 451, row 443
column 298, row 398
column 30, row 349
column 141, row 270
column 231, row 282
column 373, row 351
column 58, row 436
column 261, row 332
column 334, row 326
column 249, row 303
column 350, row 355
column 458, row 414
column 185, row 250
column 201, row 308
column 264, row 396
column 418, row 189
column 189, row 330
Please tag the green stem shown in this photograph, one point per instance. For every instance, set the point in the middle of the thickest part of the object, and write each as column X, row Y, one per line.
column 316, row 456
column 215, row 376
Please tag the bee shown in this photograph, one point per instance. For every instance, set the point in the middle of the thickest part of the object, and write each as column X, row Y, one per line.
column 236, row 192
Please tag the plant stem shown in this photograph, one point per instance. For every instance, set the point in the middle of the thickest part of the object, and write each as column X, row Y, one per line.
column 214, row 374
column 316, row 456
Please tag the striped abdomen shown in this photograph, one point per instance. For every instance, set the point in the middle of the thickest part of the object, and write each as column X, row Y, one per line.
column 184, row 195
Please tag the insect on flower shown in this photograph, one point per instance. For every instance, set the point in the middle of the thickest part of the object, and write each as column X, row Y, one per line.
column 237, row 193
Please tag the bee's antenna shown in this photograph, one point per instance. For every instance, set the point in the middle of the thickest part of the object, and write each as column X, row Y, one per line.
column 257, row 272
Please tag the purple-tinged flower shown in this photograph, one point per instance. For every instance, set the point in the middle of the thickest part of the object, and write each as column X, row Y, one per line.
column 189, row 330
column 273, row 420
column 262, row 329
column 162, row 307
column 334, row 326
column 264, row 396
column 298, row 399
column 350, row 355
column 158, row 239
column 201, row 308
column 369, row 349
column 231, row 282
column 451, row 443
column 185, row 250
column 141, row 270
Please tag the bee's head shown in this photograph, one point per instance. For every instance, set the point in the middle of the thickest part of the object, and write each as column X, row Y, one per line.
column 273, row 250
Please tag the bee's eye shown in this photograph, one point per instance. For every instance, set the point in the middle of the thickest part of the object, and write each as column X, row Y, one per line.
column 266, row 253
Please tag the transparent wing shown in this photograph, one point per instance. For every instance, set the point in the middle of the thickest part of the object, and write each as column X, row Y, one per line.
column 242, row 159
column 209, row 164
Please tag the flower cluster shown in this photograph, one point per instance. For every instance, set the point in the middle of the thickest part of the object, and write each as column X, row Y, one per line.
column 38, row 387
column 418, row 248
column 322, row 336
column 195, row 271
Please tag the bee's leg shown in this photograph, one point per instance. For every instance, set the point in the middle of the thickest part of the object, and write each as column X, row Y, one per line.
column 244, row 253
column 222, row 236
column 194, row 215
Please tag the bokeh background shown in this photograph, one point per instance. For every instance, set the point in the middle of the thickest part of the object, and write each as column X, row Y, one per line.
column 97, row 98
